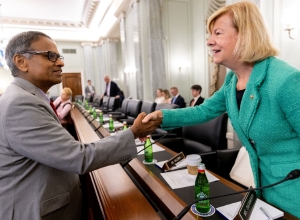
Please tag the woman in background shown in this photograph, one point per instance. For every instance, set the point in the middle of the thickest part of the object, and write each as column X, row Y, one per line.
column 167, row 96
column 159, row 96
column 261, row 95
column 63, row 105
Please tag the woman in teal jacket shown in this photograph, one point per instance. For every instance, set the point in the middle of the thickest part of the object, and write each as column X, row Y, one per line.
column 261, row 95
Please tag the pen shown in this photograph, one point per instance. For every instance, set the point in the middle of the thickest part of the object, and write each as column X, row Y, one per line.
column 267, row 214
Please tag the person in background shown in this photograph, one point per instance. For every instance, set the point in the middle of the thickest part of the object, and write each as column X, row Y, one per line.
column 159, row 96
column 63, row 105
column 261, row 95
column 90, row 89
column 39, row 159
column 167, row 96
column 111, row 88
column 177, row 99
column 196, row 93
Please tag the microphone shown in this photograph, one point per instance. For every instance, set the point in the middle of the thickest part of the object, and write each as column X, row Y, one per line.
column 292, row 175
column 127, row 162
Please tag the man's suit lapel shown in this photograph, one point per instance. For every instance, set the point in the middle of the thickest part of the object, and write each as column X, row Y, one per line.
column 29, row 87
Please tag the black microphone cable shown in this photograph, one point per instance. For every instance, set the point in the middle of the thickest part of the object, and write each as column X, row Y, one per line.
column 125, row 164
column 292, row 175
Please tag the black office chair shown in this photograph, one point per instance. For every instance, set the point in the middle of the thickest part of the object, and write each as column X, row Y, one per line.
column 112, row 102
column 104, row 105
column 89, row 98
column 165, row 106
column 96, row 101
column 204, row 139
column 148, row 107
column 52, row 98
column 79, row 97
column 133, row 110
column 120, row 113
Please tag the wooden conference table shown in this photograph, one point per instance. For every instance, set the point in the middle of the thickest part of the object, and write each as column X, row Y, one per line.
column 138, row 191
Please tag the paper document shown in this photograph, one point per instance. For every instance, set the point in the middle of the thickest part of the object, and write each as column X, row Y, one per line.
column 155, row 148
column 230, row 211
column 181, row 178
column 179, row 165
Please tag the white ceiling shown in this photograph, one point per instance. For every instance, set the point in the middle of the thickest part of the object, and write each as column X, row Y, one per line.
column 62, row 20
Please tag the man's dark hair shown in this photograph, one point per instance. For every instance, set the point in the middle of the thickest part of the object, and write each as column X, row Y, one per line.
column 197, row 87
column 20, row 43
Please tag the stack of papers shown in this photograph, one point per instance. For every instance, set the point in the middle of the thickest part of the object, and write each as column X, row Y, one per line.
column 231, row 210
column 181, row 178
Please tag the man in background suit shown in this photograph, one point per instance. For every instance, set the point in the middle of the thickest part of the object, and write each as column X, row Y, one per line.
column 111, row 88
column 177, row 99
column 196, row 93
column 90, row 89
column 39, row 160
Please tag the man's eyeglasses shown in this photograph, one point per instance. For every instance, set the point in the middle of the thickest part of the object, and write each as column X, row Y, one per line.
column 52, row 56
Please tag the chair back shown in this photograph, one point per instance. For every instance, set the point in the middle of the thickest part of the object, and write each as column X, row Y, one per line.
column 206, row 137
column 89, row 98
column 165, row 106
column 112, row 103
column 148, row 107
column 52, row 98
column 133, row 108
column 124, row 106
column 96, row 100
column 105, row 102
column 79, row 97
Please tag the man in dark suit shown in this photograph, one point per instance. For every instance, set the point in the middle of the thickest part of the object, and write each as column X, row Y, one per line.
column 177, row 99
column 196, row 93
column 111, row 88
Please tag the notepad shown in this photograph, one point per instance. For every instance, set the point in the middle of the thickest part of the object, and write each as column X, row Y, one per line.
column 231, row 210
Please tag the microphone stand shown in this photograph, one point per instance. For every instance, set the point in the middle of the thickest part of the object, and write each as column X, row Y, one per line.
column 292, row 175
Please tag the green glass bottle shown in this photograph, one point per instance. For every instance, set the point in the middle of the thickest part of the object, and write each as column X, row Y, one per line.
column 91, row 110
column 111, row 124
column 94, row 113
column 148, row 150
column 202, row 190
column 101, row 117
column 125, row 127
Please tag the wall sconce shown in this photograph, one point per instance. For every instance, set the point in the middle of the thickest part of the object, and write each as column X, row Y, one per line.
column 129, row 69
column 184, row 65
column 289, row 21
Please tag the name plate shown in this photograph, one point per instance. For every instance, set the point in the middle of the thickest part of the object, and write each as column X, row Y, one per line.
column 247, row 206
column 173, row 161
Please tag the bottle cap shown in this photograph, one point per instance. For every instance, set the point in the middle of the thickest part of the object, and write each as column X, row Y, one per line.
column 201, row 166
column 110, row 115
column 124, row 122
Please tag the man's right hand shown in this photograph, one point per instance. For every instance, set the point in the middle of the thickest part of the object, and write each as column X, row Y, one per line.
column 142, row 129
column 157, row 115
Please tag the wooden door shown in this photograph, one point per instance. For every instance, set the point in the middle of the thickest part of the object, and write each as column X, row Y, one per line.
column 73, row 81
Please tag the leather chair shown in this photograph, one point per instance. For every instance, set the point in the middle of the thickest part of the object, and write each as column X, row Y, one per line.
column 165, row 106
column 104, row 105
column 133, row 110
column 203, row 139
column 148, row 107
column 79, row 97
column 52, row 98
column 111, row 105
column 96, row 101
column 120, row 113
column 225, row 160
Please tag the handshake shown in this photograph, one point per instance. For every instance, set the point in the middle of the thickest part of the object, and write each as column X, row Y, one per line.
column 145, row 124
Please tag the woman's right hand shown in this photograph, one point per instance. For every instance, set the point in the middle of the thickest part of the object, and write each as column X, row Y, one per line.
column 154, row 116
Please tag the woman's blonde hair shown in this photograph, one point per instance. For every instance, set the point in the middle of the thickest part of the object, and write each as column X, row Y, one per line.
column 254, row 42
column 68, row 91
column 167, row 93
